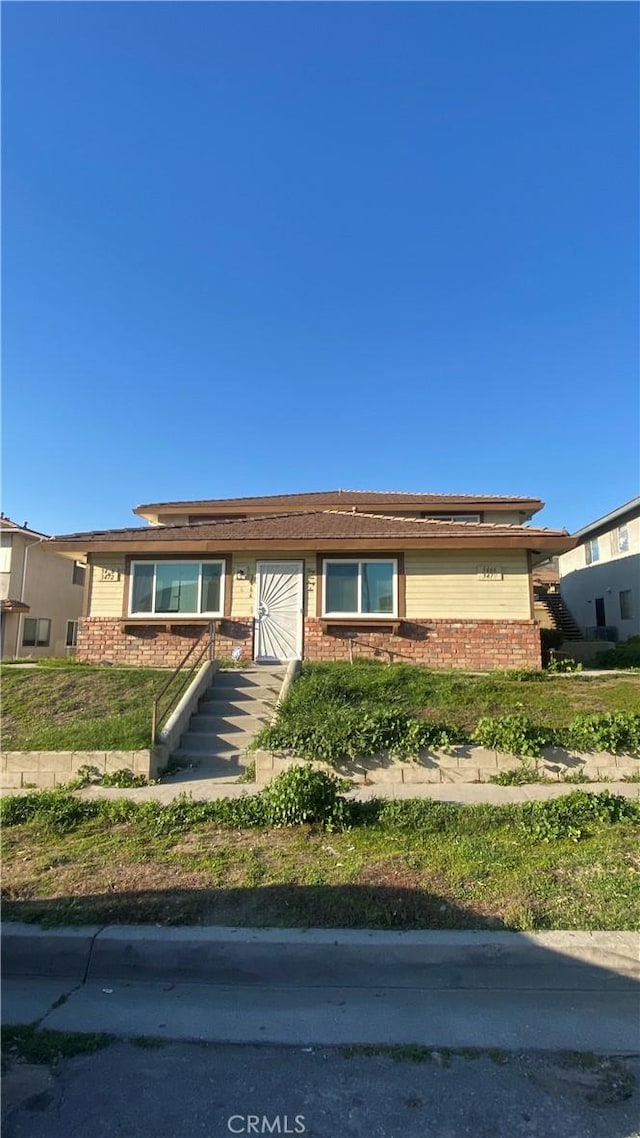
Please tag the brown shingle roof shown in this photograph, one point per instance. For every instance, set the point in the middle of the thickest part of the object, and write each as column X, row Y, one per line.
column 335, row 497
column 312, row 526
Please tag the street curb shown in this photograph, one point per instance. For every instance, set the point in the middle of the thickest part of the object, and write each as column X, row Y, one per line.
column 31, row 951
column 319, row 957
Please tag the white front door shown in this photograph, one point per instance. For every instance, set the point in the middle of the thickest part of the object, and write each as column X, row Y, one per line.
column 279, row 610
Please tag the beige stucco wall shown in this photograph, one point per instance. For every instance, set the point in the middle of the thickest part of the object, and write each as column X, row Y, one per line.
column 444, row 584
column 49, row 591
column 448, row 584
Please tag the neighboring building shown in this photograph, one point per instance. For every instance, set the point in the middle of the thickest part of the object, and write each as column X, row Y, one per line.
column 434, row 579
column 600, row 576
column 40, row 595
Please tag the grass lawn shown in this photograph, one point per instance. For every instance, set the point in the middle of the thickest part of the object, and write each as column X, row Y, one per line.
column 406, row 866
column 78, row 708
column 461, row 698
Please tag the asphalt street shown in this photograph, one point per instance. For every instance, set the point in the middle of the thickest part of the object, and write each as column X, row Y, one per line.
column 186, row 1090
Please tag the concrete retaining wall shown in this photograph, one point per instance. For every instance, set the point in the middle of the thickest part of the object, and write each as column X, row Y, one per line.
column 463, row 764
column 22, row 769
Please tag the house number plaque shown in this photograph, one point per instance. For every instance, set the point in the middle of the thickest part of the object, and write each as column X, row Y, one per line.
column 490, row 572
column 107, row 574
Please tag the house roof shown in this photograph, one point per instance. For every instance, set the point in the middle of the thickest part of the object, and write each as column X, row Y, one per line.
column 314, row 529
column 626, row 511
column 9, row 605
column 7, row 525
column 339, row 499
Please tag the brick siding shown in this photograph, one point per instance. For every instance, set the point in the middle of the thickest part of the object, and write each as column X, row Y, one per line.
column 475, row 645
column 102, row 639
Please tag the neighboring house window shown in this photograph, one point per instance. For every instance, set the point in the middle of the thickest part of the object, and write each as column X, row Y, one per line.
column 620, row 540
column 452, row 517
column 592, row 551
column 626, row 604
column 72, row 634
column 190, row 588
column 79, row 571
column 5, row 552
column 360, row 588
column 36, row 632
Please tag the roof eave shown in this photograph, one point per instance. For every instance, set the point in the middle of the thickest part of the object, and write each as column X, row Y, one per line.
column 547, row 542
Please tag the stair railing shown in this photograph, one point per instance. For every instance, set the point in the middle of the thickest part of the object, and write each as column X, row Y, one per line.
column 160, row 710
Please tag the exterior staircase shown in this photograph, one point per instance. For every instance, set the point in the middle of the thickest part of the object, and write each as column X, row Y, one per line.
column 230, row 713
column 559, row 615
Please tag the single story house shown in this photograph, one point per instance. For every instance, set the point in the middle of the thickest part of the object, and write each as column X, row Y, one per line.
column 40, row 594
column 440, row 580
column 600, row 576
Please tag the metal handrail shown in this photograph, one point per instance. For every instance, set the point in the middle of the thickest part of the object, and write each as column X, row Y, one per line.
column 209, row 647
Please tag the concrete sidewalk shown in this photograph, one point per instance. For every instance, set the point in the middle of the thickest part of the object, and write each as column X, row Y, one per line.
column 203, row 789
column 330, row 986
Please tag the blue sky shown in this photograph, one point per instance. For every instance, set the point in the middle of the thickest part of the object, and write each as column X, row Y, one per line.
column 281, row 247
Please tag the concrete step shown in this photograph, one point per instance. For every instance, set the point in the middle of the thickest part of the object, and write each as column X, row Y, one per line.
column 237, row 708
column 214, row 743
column 224, row 752
column 223, row 769
column 214, row 724
column 245, row 681
column 243, row 700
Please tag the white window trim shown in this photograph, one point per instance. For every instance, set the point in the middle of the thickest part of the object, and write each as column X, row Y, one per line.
column 152, row 614
column 359, row 561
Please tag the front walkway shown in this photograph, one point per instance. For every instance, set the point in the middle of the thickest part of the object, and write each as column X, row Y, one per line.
column 209, row 789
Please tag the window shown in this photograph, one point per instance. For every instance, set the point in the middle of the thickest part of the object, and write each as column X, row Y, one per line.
column 71, row 636
column 452, row 517
column 360, row 588
column 626, row 604
column 36, row 632
column 620, row 540
column 592, row 551
column 185, row 588
column 79, row 570
column 5, row 552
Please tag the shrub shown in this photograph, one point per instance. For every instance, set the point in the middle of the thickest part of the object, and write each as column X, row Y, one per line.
column 624, row 655
column 559, row 664
column 123, row 778
column 616, row 731
column 512, row 734
column 57, row 810
column 302, row 794
column 574, row 815
column 334, row 733
column 526, row 773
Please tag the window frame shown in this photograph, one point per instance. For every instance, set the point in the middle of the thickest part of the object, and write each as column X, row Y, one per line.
column 176, row 616
column 471, row 519
column 37, row 642
column 619, row 540
column 392, row 560
column 74, row 635
column 628, row 604
column 79, row 573
column 591, row 545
